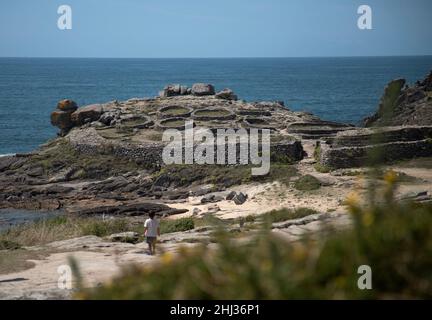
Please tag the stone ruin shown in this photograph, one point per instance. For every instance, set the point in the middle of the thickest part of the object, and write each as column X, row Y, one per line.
column 358, row 147
column 133, row 128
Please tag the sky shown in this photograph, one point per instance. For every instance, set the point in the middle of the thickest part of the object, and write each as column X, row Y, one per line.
column 214, row 28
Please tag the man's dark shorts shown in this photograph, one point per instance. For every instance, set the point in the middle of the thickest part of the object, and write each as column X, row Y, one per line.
column 151, row 240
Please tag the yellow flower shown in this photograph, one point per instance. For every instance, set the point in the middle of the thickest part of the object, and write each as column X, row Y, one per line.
column 299, row 252
column 167, row 258
column 390, row 177
column 352, row 199
column 368, row 218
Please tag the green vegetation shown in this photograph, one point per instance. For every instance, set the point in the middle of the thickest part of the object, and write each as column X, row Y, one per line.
column 317, row 153
column 118, row 133
column 352, row 173
column 178, row 225
column 394, row 239
column 287, row 214
column 281, row 158
column 9, row 245
column 102, row 228
column 307, row 183
column 322, row 168
column 61, row 156
column 175, row 111
column 389, row 99
column 62, row 228
column 212, row 113
column 221, row 176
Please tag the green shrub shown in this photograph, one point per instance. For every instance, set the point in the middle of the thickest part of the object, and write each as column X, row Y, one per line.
column 170, row 226
column 61, row 228
column 307, row 183
column 322, row 168
column 287, row 214
column 317, row 153
column 9, row 245
column 102, row 228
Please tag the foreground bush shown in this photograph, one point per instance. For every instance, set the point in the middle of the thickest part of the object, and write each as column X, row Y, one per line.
column 395, row 240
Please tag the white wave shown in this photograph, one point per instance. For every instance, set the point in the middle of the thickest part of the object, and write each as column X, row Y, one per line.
column 7, row 155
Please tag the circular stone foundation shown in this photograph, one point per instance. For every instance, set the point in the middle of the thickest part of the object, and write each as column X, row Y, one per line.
column 255, row 113
column 175, row 111
column 141, row 122
column 172, row 123
column 213, row 114
column 257, row 123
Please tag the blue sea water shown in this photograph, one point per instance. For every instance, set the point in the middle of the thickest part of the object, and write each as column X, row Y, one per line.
column 12, row 217
column 339, row 89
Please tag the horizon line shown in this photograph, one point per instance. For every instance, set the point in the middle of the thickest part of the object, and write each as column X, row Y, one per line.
column 275, row 57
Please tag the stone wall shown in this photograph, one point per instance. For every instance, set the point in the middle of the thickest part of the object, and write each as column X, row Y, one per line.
column 357, row 148
column 151, row 154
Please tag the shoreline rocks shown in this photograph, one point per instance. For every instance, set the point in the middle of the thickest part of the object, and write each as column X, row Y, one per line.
column 127, row 136
column 62, row 116
column 404, row 105
column 202, row 89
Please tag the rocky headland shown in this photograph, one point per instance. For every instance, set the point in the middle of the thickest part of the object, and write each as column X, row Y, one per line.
column 106, row 162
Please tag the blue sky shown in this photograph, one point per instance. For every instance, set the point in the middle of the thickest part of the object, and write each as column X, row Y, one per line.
column 214, row 28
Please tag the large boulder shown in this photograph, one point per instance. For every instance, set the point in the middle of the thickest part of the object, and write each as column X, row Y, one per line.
column 240, row 198
column 61, row 119
column 87, row 114
column 62, row 116
column 173, row 90
column 226, row 94
column 202, row 89
column 67, row 105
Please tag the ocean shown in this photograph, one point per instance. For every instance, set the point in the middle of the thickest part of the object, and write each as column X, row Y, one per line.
column 338, row 89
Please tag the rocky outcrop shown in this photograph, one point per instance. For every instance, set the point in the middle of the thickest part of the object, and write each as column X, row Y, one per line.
column 61, row 117
column 400, row 129
column 111, row 153
column 198, row 89
column 173, row 90
column 202, row 89
column 87, row 114
column 138, row 209
column 226, row 94
column 404, row 105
